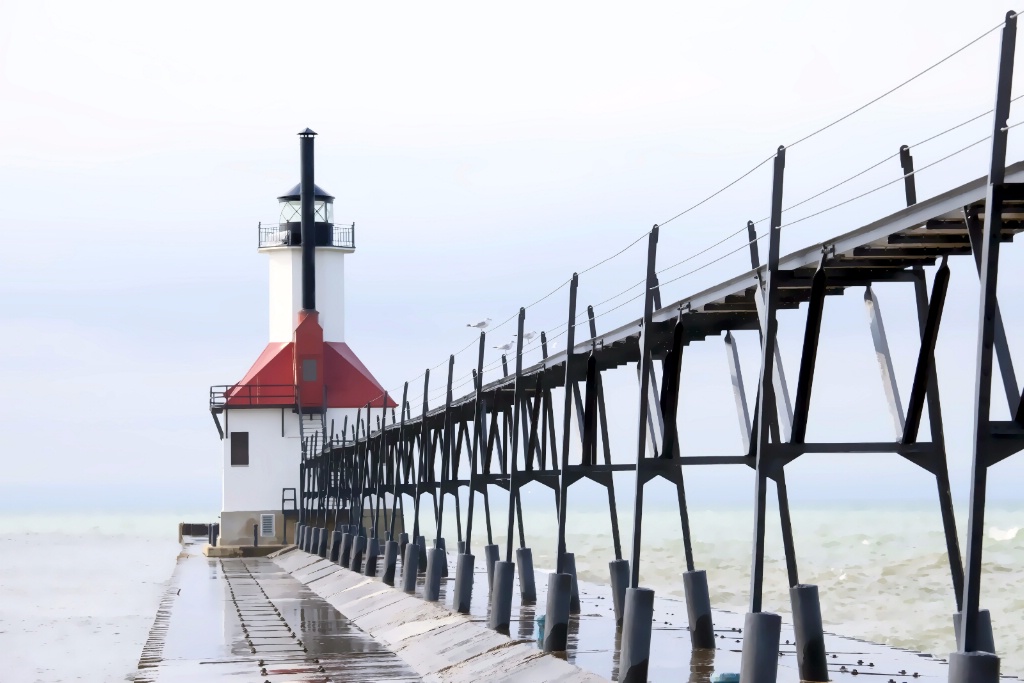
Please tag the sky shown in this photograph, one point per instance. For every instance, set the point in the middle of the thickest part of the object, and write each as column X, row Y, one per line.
column 485, row 152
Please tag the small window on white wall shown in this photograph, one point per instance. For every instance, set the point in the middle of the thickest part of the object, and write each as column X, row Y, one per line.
column 267, row 525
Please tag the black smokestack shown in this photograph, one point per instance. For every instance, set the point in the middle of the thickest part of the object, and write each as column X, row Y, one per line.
column 308, row 230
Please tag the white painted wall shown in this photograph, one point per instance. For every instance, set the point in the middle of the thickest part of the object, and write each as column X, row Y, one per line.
column 286, row 291
column 273, row 460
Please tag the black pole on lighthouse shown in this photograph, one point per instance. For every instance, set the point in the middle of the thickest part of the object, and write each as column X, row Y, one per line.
column 308, row 230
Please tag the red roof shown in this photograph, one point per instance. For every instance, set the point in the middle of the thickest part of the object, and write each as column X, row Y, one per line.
column 271, row 379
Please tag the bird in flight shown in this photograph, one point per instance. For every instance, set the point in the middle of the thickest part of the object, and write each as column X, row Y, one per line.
column 482, row 325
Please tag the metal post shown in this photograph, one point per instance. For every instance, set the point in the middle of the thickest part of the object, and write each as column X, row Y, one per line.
column 909, row 186
column 524, row 556
column 307, row 227
column 464, row 565
column 968, row 664
column 645, row 374
column 638, row 608
column 761, row 637
column 559, row 602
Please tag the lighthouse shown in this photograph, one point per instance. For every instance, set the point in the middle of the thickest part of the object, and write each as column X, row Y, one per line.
column 305, row 380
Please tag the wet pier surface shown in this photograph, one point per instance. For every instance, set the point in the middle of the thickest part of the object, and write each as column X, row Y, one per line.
column 247, row 620
column 594, row 639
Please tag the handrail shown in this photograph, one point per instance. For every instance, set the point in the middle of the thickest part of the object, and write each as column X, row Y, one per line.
column 343, row 236
column 252, row 395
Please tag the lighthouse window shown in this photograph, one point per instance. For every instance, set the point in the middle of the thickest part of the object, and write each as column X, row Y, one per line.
column 309, row 370
column 291, row 212
column 239, row 449
column 324, row 212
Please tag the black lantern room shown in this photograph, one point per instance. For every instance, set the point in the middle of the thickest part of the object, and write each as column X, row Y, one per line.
column 290, row 221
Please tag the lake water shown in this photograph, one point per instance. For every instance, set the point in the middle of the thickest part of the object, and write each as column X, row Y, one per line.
column 78, row 594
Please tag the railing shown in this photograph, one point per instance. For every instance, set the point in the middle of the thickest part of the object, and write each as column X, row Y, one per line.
column 341, row 235
column 344, row 236
column 252, row 396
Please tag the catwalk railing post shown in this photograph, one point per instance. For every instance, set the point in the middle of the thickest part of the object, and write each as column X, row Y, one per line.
column 969, row 663
column 762, row 630
column 909, row 186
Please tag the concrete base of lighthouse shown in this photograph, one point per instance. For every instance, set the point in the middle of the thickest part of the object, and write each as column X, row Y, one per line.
column 236, row 528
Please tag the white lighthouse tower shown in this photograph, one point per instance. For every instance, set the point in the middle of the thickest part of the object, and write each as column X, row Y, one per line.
column 306, row 377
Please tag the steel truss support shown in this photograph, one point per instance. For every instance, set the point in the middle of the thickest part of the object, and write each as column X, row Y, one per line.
column 969, row 663
column 509, row 433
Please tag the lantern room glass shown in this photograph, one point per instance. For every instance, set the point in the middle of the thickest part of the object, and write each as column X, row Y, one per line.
column 291, row 212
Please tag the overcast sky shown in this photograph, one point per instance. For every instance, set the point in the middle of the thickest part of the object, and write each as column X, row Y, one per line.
column 484, row 153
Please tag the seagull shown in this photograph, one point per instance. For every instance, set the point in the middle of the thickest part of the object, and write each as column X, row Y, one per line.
column 527, row 337
column 507, row 347
column 482, row 325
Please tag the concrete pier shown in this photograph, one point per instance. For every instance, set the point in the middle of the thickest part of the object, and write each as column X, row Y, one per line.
column 254, row 622
column 411, row 639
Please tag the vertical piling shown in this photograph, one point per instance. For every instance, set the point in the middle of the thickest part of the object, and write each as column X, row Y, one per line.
column 335, row 546
column 358, row 548
column 619, row 572
column 811, row 657
column 501, row 596
column 432, row 581
column 439, row 543
column 527, row 582
column 986, row 641
column 637, row 620
column 556, row 624
column 409, row 567
column 490, row 557
column 372, row 551
column 569, row 566
column 345, row 558
column 421, row 566
column 698, row 610
column 760, row 659
column 322, row 543
column 464, row 565
column 390, row 560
